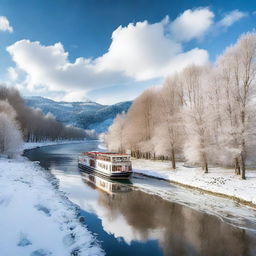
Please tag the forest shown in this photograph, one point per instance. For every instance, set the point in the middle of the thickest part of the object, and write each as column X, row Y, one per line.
column 201, row 115
column 19, row 122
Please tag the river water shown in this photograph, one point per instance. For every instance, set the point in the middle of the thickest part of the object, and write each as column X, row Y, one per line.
column 145, row 216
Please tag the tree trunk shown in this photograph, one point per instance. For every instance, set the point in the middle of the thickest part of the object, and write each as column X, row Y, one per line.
column 206, row 168
column 205, row 163
column 243, row 167
column 237, row 167
column 173, row 160
column 243, row 152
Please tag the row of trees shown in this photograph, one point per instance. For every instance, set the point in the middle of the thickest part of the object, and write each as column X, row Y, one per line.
column 18, row 121
column 36, row 126
column 203, row 114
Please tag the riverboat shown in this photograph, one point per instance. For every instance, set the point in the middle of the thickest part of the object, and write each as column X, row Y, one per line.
column 112, row 165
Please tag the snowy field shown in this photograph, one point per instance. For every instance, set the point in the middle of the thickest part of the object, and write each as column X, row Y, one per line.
column 218, row 180
column 36, row 218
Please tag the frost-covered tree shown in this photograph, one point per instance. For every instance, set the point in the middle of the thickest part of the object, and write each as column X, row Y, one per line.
column 198, row 145
column 115, row 135
column 140, row 125
column 168, row 131
column 10, row 134
column 240, row 84
column 228, row 132
column 36, row 126
column 6, row 108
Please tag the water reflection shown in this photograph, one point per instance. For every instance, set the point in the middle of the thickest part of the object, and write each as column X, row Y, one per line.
column 105, row 184
column 180, row 230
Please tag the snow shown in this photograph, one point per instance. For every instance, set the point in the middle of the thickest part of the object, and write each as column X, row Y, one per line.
column 31, row 145
column 89, row 104
column 36, row 218
column 101, row 146
column 218, row 180
column 69, row 105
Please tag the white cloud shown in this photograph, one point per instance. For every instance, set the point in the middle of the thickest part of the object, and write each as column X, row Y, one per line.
column 5, row 25
column 138, row 52
column 75, row 96
column 230, row 18
column 192, row 24
column 144, row 51
column 49, row 66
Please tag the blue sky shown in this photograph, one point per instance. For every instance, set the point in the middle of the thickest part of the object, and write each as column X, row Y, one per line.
column 65, row 50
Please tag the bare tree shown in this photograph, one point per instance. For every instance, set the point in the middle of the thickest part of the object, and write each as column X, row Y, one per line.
column 198, row 143
column 239, row 79
column 168, row 132
column 36, row 126
column 140, row 125
column 115, row 135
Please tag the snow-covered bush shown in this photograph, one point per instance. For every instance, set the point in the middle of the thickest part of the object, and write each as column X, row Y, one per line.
column 10, row 134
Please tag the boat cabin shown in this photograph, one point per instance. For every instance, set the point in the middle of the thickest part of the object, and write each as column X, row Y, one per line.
column 110, row 164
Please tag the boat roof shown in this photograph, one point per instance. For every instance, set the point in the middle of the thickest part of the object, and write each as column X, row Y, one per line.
column 105, row 153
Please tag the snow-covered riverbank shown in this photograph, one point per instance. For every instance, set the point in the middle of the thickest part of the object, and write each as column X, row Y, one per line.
column 219, row 181
column 31, row 145
column 36, row 218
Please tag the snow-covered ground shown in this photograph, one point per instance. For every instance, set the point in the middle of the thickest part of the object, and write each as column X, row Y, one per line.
column 218, row 180
column 31, row 145
column 36, row 218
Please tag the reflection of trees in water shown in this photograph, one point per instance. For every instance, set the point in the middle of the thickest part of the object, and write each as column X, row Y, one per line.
column 184, row 230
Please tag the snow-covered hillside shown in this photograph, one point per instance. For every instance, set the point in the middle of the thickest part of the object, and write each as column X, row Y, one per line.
column 87, row 115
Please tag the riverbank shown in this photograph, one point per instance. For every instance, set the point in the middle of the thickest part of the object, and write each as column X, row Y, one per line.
column 219, row 181
column 36, row 218
column 32, row 145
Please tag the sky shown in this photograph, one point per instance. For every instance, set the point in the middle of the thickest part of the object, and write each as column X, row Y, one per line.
column 111, row 50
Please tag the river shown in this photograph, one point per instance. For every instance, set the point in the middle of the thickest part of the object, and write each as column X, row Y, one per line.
column 145, row 216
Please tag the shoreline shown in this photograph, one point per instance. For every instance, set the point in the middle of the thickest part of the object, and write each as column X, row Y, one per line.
column 32, row 145
column 236, row 199
column 218, row 182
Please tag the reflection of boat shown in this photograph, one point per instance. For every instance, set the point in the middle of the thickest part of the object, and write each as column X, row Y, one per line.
column 113, row 165
column 105, row 184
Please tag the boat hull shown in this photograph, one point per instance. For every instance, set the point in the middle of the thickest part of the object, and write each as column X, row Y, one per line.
column 119, row 175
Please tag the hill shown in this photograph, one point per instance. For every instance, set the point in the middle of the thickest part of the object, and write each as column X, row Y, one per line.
column 86, row 115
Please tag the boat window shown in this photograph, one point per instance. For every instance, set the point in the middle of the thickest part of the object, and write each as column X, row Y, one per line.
column 117, row 168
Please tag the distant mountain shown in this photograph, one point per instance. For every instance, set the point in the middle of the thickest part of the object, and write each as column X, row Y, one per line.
column 87, row 114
